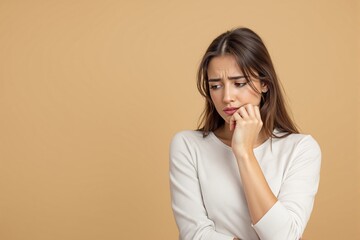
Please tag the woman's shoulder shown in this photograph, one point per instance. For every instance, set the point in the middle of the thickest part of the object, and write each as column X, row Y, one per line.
column 297, row 140
column 299, row 150
column 192, row 139
column 186, row 143
column 188, row 135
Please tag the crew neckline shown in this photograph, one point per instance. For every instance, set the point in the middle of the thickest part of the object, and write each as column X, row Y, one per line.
column 221, row 143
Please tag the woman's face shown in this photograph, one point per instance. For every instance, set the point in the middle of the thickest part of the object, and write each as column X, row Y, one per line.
column 228, row 87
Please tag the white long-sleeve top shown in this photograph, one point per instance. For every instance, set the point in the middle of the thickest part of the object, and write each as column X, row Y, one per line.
column 208, row 199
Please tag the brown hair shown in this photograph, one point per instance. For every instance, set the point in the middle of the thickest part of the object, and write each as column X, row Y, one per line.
column 254, row 61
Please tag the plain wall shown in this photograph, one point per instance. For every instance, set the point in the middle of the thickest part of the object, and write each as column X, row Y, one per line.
column 358, row 111
column 91, row 93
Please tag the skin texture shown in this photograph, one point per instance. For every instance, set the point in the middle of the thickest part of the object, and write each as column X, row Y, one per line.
column 242, row 129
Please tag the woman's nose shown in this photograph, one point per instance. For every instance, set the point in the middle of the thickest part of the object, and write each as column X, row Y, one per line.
column 228, row 94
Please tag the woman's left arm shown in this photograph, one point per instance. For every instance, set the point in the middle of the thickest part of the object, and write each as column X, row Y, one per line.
column 284, row 216
column 247, row 124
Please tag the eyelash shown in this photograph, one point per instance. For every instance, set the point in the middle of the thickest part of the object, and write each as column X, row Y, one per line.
column 239, row 85
column 214, row 87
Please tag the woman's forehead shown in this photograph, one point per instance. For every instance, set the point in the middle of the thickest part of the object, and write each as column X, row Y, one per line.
column 224, row 64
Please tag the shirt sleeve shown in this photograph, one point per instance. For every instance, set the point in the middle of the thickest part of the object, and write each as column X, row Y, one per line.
column 187, row 203
column 287, row 219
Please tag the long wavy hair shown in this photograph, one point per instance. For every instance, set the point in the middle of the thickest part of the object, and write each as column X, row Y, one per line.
column 254, row 61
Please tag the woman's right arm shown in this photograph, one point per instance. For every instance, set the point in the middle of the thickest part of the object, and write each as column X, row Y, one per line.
column 189, row 211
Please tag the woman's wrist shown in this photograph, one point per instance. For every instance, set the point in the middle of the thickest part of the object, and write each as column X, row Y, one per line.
column 243, row 155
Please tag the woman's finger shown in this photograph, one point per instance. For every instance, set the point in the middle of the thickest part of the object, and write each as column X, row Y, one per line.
column 243, row 112
column 235, row 117
column 250, row 110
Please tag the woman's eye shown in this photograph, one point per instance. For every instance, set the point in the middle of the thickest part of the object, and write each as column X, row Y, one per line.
column 214, row 87
column 240, row 84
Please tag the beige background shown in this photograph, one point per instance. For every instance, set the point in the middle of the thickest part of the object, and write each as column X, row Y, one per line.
column 91, row 93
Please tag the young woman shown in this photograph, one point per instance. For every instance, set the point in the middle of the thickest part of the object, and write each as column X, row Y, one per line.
column 246, row 173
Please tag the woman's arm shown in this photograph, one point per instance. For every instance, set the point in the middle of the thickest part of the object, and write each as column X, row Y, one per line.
column 284, row 216
column 247, row 125
column 258, row 194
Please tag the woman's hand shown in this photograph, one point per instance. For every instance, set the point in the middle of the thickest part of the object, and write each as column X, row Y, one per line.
column 246, row 124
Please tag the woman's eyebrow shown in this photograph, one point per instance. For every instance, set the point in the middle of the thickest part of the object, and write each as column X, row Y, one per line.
column 214, row 79
column 230, row 78
column 236, row 77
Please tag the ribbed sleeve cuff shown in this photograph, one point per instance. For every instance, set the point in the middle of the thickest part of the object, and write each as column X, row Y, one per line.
column 272, row 222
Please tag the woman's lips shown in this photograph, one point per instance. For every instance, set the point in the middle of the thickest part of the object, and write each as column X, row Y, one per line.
column 230, row 111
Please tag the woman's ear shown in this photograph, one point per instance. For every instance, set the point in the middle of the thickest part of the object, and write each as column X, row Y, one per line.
column 264, row 87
